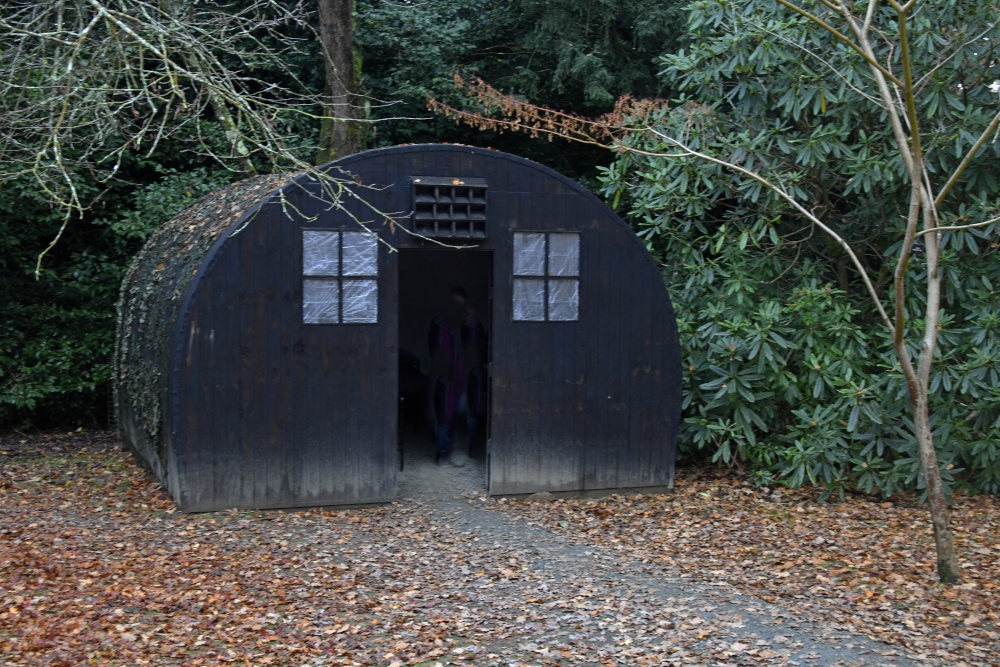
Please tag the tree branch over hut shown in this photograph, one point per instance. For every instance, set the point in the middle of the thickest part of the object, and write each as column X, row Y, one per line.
column 86, row 85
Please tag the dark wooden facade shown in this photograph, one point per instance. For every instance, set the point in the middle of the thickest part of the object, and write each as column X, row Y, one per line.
column 235, row 400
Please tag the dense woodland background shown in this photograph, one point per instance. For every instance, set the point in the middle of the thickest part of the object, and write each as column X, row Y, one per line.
column 788, row 372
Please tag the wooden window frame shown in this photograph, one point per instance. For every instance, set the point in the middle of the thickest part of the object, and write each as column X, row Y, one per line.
column 544, row 279
column 342, row 283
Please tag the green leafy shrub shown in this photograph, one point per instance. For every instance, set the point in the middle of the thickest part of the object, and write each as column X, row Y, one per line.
column 57, row 331
column 791, row 376
column 788, row 368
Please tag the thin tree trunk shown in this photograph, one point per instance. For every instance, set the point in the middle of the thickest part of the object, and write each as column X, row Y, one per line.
column 338, row 136
column 922, row 206
column 949, row 570
column 918, row 380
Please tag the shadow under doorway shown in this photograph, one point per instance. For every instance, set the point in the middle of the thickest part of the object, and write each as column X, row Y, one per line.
column 431, row 280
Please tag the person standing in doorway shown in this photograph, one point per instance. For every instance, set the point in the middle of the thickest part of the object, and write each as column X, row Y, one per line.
column 475, row 349
column 448, row 376
column 458, row 350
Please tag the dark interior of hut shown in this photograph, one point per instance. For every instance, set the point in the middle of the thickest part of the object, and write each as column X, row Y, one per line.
column 428, row 278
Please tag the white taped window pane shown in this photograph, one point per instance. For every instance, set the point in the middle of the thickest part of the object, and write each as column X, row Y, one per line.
column 360, row 254
column 529, row 299
column 564, row 300
column 320, row 253
column 529, row 254
column 360, row 301
column 564, row 254
column 320, row 301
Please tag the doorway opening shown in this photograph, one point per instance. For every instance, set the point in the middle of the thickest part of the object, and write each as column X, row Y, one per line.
column 431, row 280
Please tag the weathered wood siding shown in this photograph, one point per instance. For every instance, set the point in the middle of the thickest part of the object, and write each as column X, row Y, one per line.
column 265, row 411
column 271, row 412
column 585, row 405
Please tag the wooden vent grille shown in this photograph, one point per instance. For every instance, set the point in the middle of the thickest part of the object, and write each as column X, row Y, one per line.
column 453, row 208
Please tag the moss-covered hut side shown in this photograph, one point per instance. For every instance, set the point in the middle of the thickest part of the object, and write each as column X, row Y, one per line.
column 152, row 295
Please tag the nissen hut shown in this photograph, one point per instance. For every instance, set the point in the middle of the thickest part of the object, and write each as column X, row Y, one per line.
column 267, row 334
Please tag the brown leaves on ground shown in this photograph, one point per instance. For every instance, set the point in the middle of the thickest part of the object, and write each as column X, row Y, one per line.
column 864, row 563
column 98, row 568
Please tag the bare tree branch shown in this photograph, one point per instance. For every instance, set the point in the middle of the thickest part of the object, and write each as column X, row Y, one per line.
column 869, row 58
column 967, row 160
column 83, row 84
column 956, row 228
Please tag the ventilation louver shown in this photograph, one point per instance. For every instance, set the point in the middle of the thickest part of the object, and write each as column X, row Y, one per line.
column 450, row 208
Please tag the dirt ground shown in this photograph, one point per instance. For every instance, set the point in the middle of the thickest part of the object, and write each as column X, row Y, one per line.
column 98, row 567
column 463, row 474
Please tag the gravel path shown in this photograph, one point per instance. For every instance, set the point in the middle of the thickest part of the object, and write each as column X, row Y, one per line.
column 600, row 607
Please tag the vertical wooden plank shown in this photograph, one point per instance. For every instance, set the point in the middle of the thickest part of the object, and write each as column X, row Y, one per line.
column 624, row 324
column 209, row 448
column 525, row 443
column 321, row 407
column 316, row 423
column 647, row 427
column 597, row 320
column 251, row 371
column 306, row 459
column 506, row 209
column 283, row 322
column 387, row 412
column 311, row 460
column 269, row 404
column 386, row 399
column 234, row 472
column 527, row 470
column 500, row 219
column 627, row 310
column 566, row 460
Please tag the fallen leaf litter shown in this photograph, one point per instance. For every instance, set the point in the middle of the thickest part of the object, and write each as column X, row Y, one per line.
column 96, row 567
